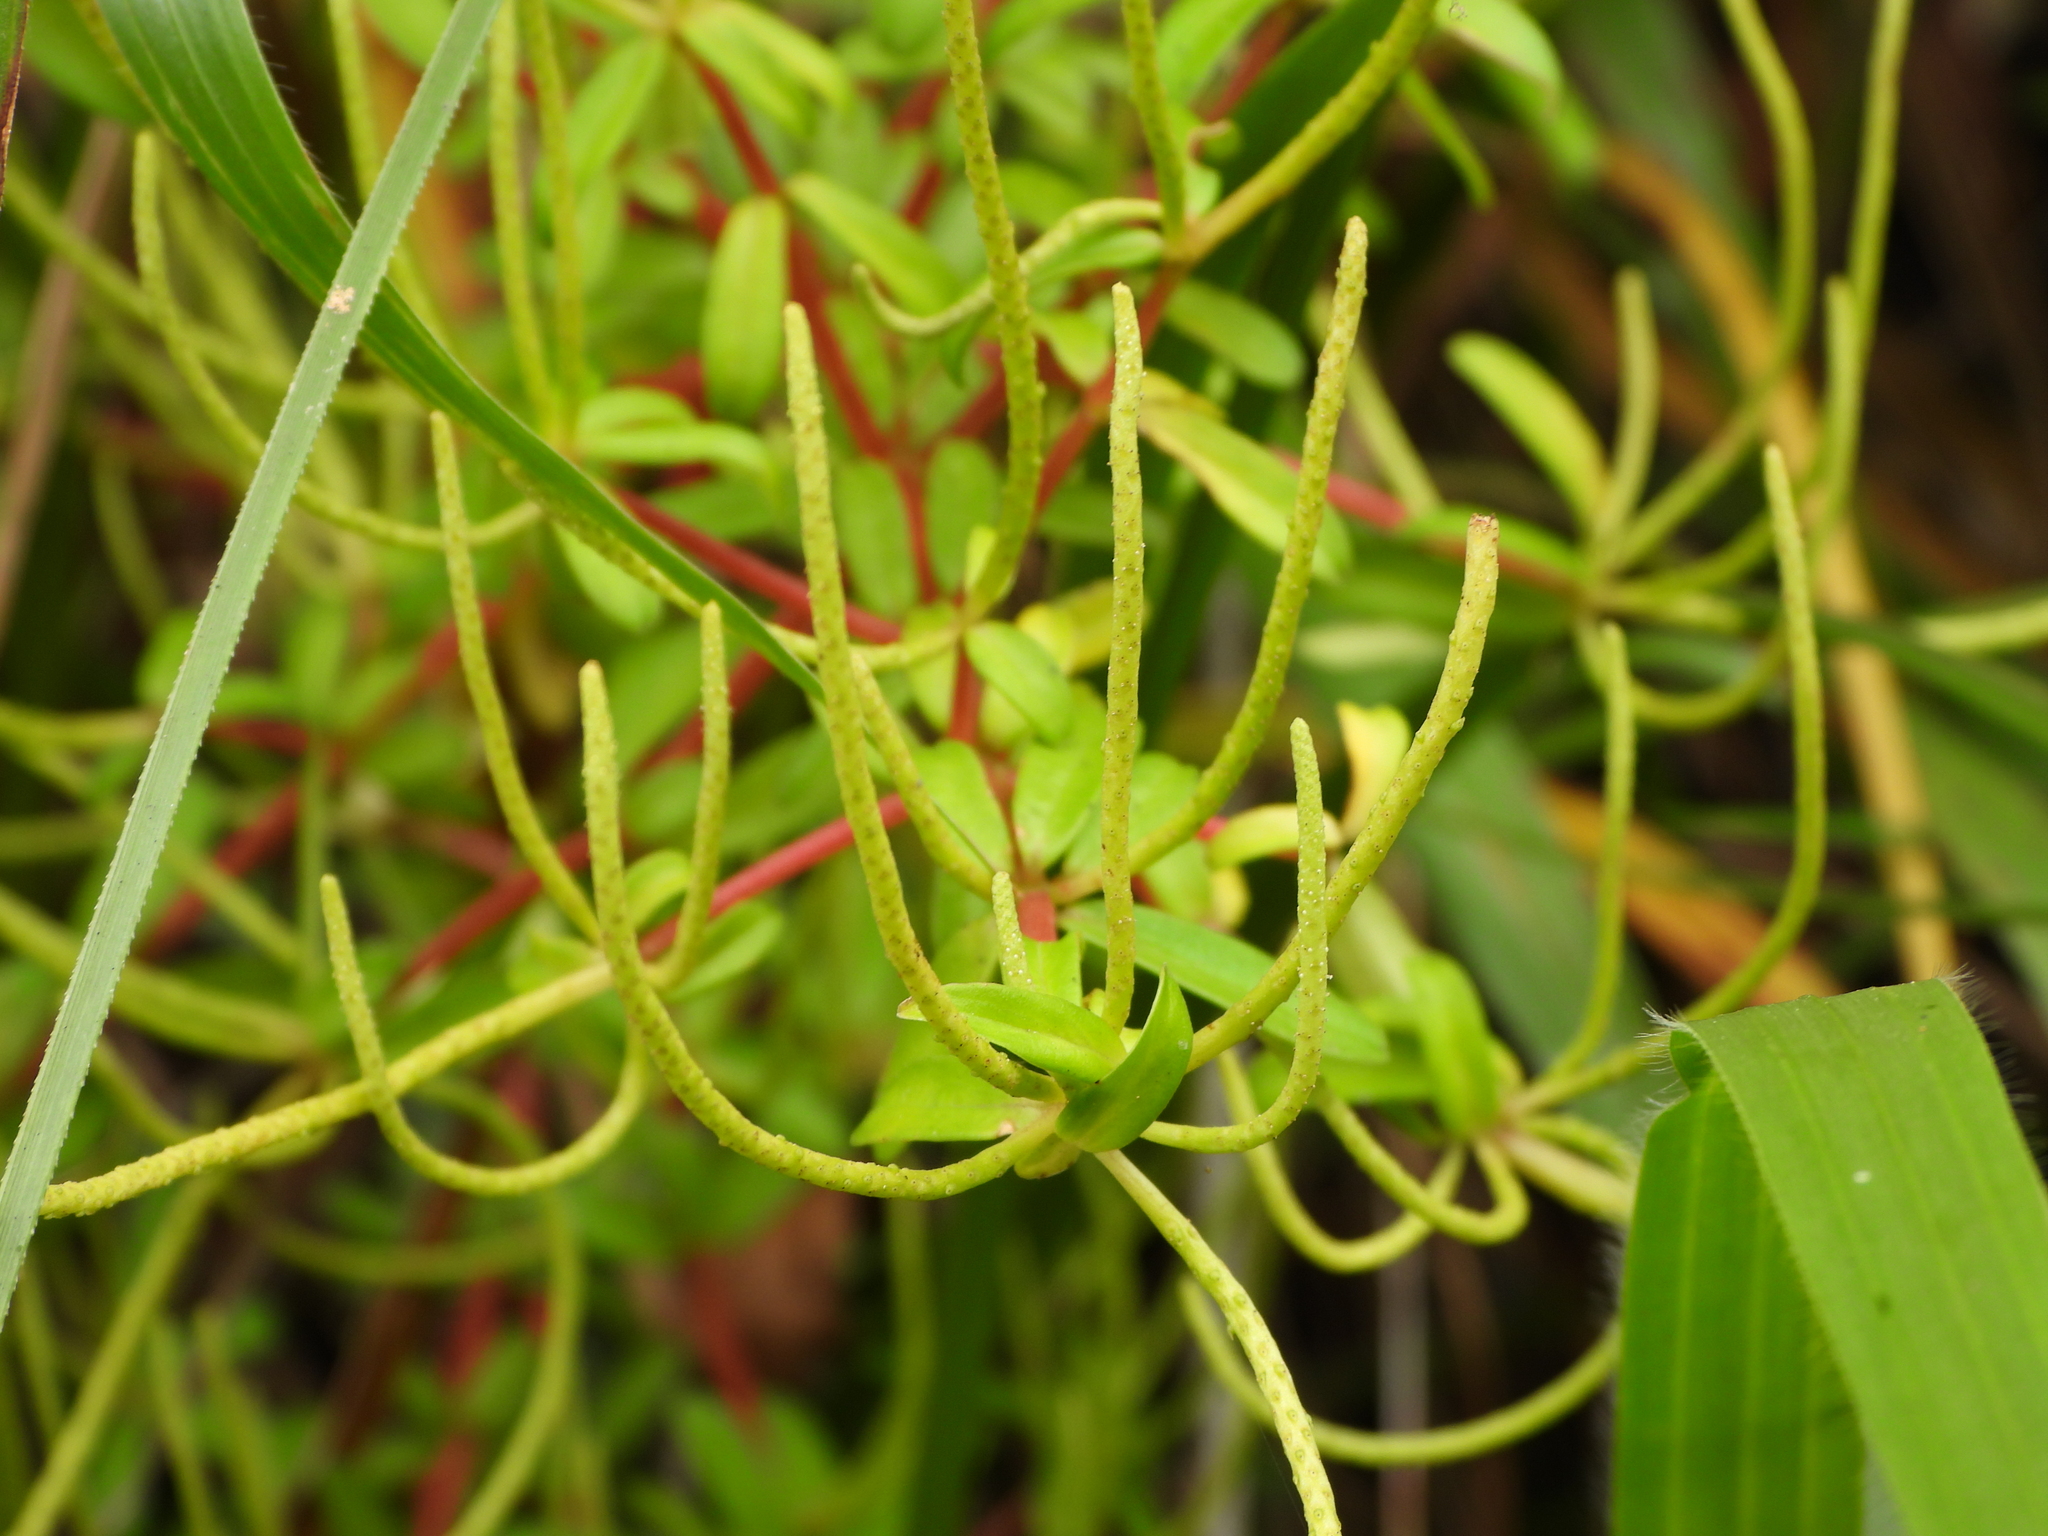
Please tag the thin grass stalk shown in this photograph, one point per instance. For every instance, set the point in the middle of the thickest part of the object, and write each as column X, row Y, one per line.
column 162, row 784
column 1126, row 641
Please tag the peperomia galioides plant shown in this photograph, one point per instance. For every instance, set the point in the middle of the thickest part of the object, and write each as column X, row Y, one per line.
column 1087, row 942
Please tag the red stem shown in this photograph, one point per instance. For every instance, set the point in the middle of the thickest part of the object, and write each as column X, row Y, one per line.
column 760, row 173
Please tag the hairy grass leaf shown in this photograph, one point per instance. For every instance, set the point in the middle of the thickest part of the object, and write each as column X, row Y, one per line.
column 351, row 288
column 203, row 74
column 1918, row 1221
column 1730, row 1417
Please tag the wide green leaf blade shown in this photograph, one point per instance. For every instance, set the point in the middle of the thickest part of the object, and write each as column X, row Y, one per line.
column 743, row 301
column 1239, row 332
column 926, row 1094
column 1220, row 969
column 1730, row 1417
column 350, row 287
column 1537, row 409
column 1918, row 1221
column 200, row 68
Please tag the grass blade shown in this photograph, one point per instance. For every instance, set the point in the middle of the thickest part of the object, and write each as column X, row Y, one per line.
column 354, row 286
column 1918, row 1221
column 1730, row 1417
column 199, row 66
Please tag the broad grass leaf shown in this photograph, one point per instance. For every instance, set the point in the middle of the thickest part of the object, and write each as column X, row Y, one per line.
column 743, row 299
column 205, row 78
column 1544, row 418
column 1917, row 1219
column 891, row 248
column 61, row 51
column 1038, row 1027
column 1730, row 1417
column 1220, row 969
column 1114, row 1112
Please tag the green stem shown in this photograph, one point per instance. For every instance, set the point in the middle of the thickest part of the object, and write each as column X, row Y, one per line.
column 1275, row 1383
column 471, row 1178
column 701, row 1096
column 1331, row 125
column 501, row 758
column 1809, row 755
column 946, row 847
column 1635, row 431
column 358, row 108
column 1148, row 95
column 1587, row 1189
column 708, row 831
column 1510, row 1211
column 849, row 742
column 1403, row 793
column 1422, row 99
column 1312, row 955
column 1126, row 642
column 170, row 1400
column 508, row 222
column 1421, row 1448
column 1393, row 452
column 1610, row 921
column 1014, row 334
column 108, row 1373
column 551, row 110
column 1016, row 960
column 136, row 571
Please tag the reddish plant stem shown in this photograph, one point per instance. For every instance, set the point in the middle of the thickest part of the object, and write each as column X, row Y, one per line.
column 1356, row 499
column 1093, row 411
column 749, row 570
column 1035, row 915
column 1263, row 47
column 917, row 203
column 714, row 1326
column 964, row 722
column 760, row 172
column 241, row 851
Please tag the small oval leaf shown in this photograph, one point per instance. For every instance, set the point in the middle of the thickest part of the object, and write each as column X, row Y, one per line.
column 1056, row 790
column 903, row 259
column 1115, row 1111
column 1047, row 1031
column 953, row 774
column 742, row 333
column 1238, row 332
column 1022, row 671
column 1545, row 420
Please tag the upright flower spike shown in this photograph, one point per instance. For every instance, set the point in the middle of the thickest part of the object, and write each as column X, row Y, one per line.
column 849, row 739
column 1126, row 631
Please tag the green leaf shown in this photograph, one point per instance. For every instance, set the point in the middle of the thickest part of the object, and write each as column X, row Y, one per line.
column 962, row 489
column 772, row 65
column 1037, row 1027
column 1535, row 407
column 926, row 1094
column 655, row 880
column 1193, row 35
column 1238, row 332
column 1108, row 250
column 1730, row 1417
column 1992, row 820
column 743, row 299
column 1022, row 671
column 1079, row 341
column 1056, row 965
column 1505, row 33
column 1917, row 1219
column 651, row 426
column 64, row 53
column 734, row 943
column 891, row 248
column 1115, row 1112
column 1249, row 483
column 1220, row 969
column 204, row 76
column 874, row 535
column 1457, row 1046
column 409, row 26
column 619, row 597
column 1055, row 793
column 612, row 101
column 953, row 773
column 1018, row 19
column 350, row 287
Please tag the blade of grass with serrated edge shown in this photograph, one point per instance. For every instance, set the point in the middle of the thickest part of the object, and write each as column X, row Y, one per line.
column 1730, row 1418
column 202, row 72
column 354, row 285
column 1920, row 1227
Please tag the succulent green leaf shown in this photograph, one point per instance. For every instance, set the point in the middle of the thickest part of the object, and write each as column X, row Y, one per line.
column 773, row 66
column 626, row 602
column 1544, row 418
column 915, row 274
column 612, row 101
column 1047, row 1031
column 734, row 943
column 1022, row 671
column 205, row 78
column 1505, row 33
column 1450, row 1022
column 743, row 299
column 1730, row 1417
column 1193, row 36
column 874, row 535
column 1055, row 793
column 1238, row 332
column 1056, row 965
column 1917, row 1219
column 927, row 1095
column 1115, row 1111
column 636, row 425
column 1254, row 488
column 1220, row 969
column 953, row 773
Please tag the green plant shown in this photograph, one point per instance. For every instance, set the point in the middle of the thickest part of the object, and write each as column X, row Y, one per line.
column 1047, row 825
